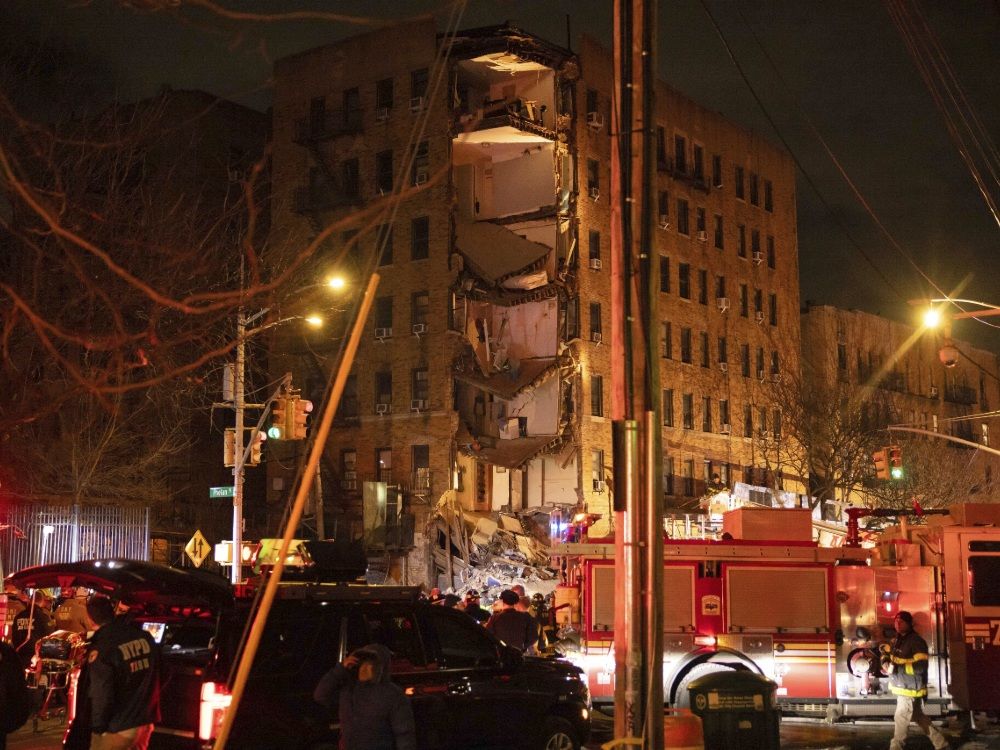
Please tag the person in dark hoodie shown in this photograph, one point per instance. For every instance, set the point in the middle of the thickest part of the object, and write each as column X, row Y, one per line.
column 374, row 712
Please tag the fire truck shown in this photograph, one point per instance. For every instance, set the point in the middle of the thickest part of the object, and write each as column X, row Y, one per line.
column 767, row 598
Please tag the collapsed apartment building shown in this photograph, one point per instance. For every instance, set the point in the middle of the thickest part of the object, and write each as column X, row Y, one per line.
column 484, row 380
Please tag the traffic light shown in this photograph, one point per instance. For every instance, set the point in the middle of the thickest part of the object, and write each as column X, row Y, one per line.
column 229, row 447
column 279, row 419
column 257, row 443
column 895, row 462
column 881, row 458
column 300, row 409
column 249, row 552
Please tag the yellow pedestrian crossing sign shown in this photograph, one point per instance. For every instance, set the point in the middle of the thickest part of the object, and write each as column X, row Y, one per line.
column 197, row 549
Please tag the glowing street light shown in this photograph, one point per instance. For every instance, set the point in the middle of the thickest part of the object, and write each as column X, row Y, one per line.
column 336, row 283
column 932, row 317
column 314, row 321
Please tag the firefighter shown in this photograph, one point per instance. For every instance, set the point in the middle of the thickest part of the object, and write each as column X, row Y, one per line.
column 906, row 665
column 123, row 681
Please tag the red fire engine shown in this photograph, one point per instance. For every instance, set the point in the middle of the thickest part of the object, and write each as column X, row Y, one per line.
column 809, row 617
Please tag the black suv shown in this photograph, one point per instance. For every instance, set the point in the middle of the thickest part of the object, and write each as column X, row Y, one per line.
column 467, row 689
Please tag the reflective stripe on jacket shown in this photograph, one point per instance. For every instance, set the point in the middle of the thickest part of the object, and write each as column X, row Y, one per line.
column 909, row 657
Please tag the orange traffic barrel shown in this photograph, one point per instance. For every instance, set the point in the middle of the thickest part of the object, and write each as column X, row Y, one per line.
column 682, row 730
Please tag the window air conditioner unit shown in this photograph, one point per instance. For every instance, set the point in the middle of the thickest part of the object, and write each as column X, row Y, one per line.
column 418, row 404
column 664, row 222
column 350, row 475
column 416, row 103
column 726, row 429
column 382, row 114
column 595, row 264
column 760, row 375
column 724, row 366
column 758, row 257
column 722, row 303
column 760, row 318
column 419, row 328
column 382, row 409
column 383, row 333
column 595, row 193
column 595, row 120
column 420, row 178
column 934, row 391
column 596, row 337
column 702, row 235
column 600, row 485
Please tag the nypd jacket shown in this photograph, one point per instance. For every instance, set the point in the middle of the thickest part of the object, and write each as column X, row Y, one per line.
column 909, row 660
column 123, row 667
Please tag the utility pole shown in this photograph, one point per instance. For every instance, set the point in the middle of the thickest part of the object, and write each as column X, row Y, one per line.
column 238, row 463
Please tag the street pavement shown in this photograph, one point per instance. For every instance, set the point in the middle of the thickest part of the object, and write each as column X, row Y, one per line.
column 796, row 734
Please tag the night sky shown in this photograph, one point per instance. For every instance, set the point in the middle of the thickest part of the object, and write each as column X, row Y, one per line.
column 841, row 63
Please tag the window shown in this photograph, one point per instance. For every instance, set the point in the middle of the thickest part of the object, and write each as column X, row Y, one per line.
column 716, row 171
column 419, row 384
column 755, row 243
column 984, row 578
column 741, row 241
column 421, row 164
column 720, row 286
column 738, row 180
column 352, row 108
column 351, row 182
column 745, row 359
column 770, row 252
column 744, row 301
column 383, row 172
column 383, row 388
column 772, row 309
column 664, row 274
column 668, row 475
column 663, row 207
column 706, row 354
column 706, row 414
column 680, row 153
column 418, row 88
column 460, row 646
column 747, row 421
column 758, row 300
column 348, row 407
column 719, row 233
column 317, row 116
column 776, row 424
column 597, row 468
column 684, row 280
column 760, row 362
column 595, row 244
column 682, row 216
column 723, row 350
column 420, row 464
column 420, row 238
column 348, row 459
column 762, row 416
column 420, row 304
column 571, row 323
column 768, row 196
column 699, row 163
column 383, row 244
column 686, row 345
column 687, row 411
column 383, row 313
column 724, row 411
column 668, row 407
column 775, row 364
column 593, row 176
column 667, row 340
column 591, row 100
column 754, row 190
column 595, row 318
column 699, row 220
column 703, row 286
column 597, row 395
column 383, row 94
column 661, row 148
column 456, row 312
column 842, row 357
column 688, row 476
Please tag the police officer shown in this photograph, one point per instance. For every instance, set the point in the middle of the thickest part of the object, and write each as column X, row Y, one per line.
column 123, row 681
column 30, row 624
column 906, row 665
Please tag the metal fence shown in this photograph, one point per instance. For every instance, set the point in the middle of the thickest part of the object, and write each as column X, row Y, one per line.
column 42, row 534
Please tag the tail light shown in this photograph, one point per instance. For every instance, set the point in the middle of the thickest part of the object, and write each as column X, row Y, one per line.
column 215, row 699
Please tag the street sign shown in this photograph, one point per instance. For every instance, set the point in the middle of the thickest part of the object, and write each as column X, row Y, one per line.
column 198, row 549
column 227, row 491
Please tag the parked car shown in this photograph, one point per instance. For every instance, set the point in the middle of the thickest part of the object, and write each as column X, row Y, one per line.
column 467, row 689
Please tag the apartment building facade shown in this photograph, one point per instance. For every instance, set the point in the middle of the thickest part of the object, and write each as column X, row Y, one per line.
column 485, row 367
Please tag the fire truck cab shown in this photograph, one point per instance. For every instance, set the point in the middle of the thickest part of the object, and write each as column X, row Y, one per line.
column 809, row 617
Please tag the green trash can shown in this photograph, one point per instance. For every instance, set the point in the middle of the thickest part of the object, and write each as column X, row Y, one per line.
column 737, row 709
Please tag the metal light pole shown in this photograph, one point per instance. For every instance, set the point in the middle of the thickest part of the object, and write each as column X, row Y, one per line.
column 238, row 466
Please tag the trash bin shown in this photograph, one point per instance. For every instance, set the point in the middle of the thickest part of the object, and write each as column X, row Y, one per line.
column 737, row 710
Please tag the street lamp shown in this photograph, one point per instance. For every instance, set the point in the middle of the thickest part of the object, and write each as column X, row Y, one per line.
column 934, row 318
